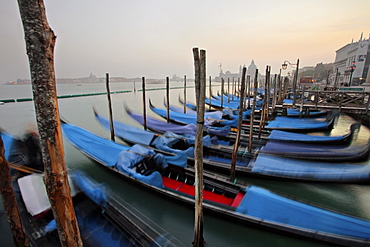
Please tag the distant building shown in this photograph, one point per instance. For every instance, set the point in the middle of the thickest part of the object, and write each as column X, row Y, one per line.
column 228, row 75
column 251, row 71
column 357, row 53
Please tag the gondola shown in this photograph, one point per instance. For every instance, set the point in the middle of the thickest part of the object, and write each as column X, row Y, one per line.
column 302, row 124
column 225, row 113
column 183, row 118
column 231, row 201
column 103, row 218
column 279, row 123
column 225, row 133
column 260, row 163
column 291, row 112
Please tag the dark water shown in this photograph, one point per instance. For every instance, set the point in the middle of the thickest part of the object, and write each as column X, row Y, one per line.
column 177, row 219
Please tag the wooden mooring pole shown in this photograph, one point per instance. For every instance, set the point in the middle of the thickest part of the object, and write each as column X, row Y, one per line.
column 222, row 92
column 168, row 98
column 240, row 120
column 110, row 109
column 144, row 102
column 252, row 113
column 210, row 93
column 295, row 83
column 40, row 42
column 184, row 93
column 200, row 82
column 10, row 202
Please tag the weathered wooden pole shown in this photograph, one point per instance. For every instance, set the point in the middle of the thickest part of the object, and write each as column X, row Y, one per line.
column 168, row 98
column 10, row 202
column 228, row 90
column 200, row 82
column 184, row 93
column 240, row 120
column 265, row 101
column 280, row 88
column 238, row 88
column 302, row 101
column 144, row 102
column 222, row 92
column 295, row 82
column 285, row 87
column 110, row 108
column 210, row 93
column 275, row 94
column 249, row 91
column 268, row 90
column 40, row 42
column 252, row 113
column 233, row 89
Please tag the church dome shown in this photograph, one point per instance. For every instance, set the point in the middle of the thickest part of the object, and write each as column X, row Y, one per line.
column 252, row 69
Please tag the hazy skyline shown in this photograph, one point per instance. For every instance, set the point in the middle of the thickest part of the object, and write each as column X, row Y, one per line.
column 155, row 38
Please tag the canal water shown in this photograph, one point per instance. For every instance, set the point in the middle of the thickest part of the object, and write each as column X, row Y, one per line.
column 176, row 219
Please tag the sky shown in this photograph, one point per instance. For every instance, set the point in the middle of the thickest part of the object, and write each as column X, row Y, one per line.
column 155, row 38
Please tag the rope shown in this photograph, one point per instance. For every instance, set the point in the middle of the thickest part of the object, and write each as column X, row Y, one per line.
column 23, row 168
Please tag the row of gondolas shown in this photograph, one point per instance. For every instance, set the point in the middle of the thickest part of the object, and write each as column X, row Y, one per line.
column 161, row 159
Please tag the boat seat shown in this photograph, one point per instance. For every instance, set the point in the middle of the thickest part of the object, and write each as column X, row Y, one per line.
column 146, row 166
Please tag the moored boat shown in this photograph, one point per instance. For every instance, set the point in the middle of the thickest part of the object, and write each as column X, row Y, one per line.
column 318, row 166
column 224, row 132
column 243, row 204
column 103, row 218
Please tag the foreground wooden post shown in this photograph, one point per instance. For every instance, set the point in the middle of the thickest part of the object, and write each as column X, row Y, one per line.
column 144, row 102
column 252, row 113
column 264, row 112
column 240, row 120
column 228, row 90
column 248, row 91
column 110, row 108
column 295, row 82
column 40, row 42
column 184, row 93
column 10, row 202
column 222, row 92
column 275, row 94
column 200, row 82
column 168, row 98
column 210, row 93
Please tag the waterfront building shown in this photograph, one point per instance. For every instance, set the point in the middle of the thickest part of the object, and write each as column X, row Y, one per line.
column 251, row 71
column 351, row 63
column 228, row 75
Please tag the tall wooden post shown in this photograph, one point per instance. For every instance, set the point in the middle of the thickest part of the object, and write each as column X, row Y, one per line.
column 249, row 91
column 10, row 202
column 233, row 89
column 295, row 82
column 265, row 101
column 168, row 98
column 275, row 94
column 200, row 82
column 144, row 102
column 210, row 93
column 252, row 113
column 240, row 120
column 184, row 93
column 40, row 42
column 228, row 90
column 110, row 108
column 222, row 92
